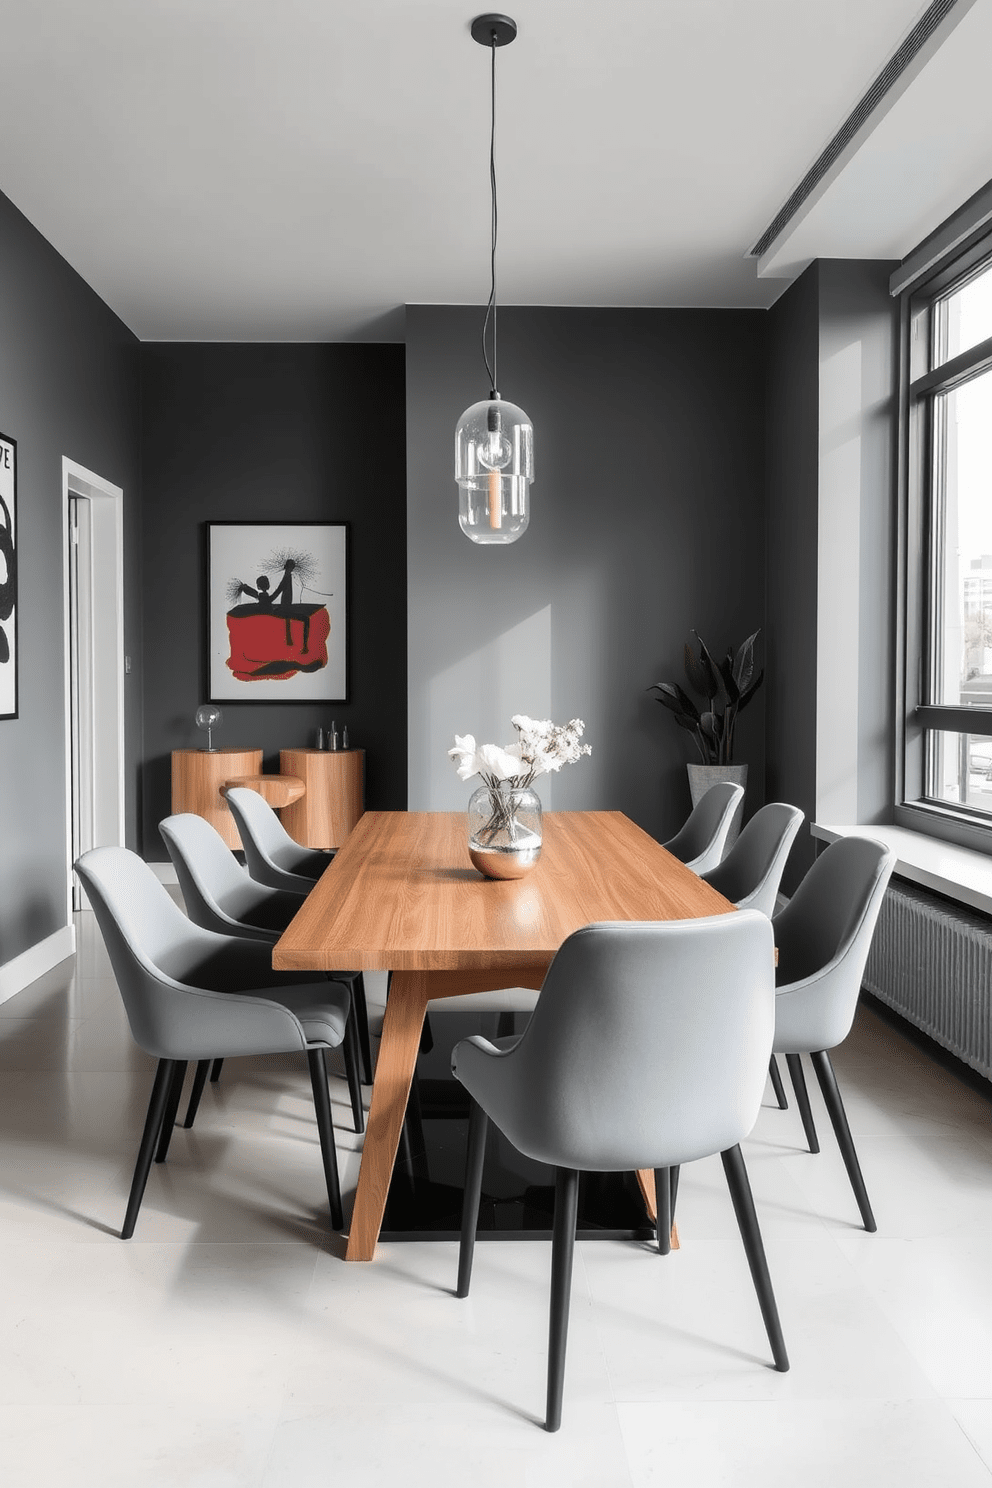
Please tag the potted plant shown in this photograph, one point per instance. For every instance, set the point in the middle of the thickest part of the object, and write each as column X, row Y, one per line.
column 726, row 688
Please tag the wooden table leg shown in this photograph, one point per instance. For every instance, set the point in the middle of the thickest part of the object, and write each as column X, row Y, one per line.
column 645, row 1178
column 401, row 1026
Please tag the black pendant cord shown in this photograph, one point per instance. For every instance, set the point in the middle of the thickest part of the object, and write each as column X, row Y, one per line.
column 494, row 226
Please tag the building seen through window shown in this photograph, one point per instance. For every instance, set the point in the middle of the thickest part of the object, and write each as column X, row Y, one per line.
column 958, row 524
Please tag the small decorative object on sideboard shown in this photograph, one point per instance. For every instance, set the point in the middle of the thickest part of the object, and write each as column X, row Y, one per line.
column 209, row 716
column 504, row 814
column 725, row 687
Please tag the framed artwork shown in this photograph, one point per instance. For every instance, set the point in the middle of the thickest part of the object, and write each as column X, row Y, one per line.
column 8, row 577
column 277, row 611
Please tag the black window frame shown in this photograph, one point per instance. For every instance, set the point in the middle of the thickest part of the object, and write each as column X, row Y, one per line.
column 919, row 567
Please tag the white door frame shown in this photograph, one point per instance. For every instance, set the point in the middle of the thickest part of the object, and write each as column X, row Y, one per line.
column 108, row 656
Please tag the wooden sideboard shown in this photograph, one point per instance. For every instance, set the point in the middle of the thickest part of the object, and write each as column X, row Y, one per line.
column 197, row 776
column 334, row 795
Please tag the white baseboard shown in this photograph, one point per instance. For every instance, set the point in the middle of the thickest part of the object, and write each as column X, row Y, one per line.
column 164, row 872
column 35, row 961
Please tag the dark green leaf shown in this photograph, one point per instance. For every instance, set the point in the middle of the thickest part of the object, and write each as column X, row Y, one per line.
column 727, row 674
column 673, row 697
column 744, row 665
column 712, row 675
column 695, row 670
column 749, row 694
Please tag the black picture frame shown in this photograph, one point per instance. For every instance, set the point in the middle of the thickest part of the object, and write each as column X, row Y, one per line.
column 277, row 613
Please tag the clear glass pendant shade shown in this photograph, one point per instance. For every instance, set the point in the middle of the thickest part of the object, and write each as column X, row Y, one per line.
column 494, row 466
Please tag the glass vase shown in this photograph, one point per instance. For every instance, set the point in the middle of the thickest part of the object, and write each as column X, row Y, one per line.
column 504, row 831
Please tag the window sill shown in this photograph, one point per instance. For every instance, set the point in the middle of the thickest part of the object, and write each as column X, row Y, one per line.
column 956, row 872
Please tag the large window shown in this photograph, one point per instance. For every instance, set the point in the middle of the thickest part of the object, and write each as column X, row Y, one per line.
column 947, row 775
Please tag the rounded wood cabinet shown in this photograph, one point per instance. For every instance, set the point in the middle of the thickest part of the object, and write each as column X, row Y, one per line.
column 197, row 776
column 334, row 797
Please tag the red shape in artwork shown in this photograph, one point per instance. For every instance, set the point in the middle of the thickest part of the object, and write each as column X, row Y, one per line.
column 270, row 646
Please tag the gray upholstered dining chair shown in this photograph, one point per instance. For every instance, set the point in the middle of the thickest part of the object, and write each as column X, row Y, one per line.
column 750, row 874
column 823, row 937
column 191, row 994
column 700, row 842
column 273, row 858
column 219, row 895
column 618, row 1070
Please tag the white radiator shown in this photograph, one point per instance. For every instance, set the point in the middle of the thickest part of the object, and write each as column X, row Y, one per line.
column 932, row 962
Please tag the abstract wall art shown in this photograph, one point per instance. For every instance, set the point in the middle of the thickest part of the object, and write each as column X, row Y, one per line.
column 277, row 611
column 8, row 577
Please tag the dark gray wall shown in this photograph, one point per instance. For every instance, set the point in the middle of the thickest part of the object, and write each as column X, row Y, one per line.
column 68, row 387
column 859, row 331
column 830, row 555
column 647, row 520
column 791, row 556
column 259, row 433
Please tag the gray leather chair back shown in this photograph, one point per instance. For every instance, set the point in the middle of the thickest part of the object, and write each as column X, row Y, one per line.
column 750, row 874
column 217, row 892
column 272, row 855
column 173, row 975
column 823, row 937
column 700, row 842
column 648, row 1048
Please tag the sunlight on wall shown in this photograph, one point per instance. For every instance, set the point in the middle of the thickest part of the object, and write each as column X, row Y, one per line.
column 479, row 694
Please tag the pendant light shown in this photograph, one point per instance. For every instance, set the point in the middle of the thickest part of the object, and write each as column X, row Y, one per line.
column 494, row 440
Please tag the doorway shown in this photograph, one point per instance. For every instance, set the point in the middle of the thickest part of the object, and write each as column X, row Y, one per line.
column 93, row 535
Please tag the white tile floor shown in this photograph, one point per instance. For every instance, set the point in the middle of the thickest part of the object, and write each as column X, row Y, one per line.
column 229, row 1346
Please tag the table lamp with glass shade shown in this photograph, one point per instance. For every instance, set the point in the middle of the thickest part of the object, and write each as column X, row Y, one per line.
column 208, row 716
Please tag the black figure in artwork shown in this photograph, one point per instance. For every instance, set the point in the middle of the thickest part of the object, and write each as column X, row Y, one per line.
column 261, row 593
column 282, row 595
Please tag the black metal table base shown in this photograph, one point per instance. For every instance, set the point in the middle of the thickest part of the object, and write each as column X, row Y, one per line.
column 425, row 1197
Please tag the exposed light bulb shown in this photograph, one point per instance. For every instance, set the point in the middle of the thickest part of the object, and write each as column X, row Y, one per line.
column 494, row 466
column 495, row 451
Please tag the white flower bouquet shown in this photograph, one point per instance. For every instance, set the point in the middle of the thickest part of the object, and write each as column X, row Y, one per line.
column 541, row 747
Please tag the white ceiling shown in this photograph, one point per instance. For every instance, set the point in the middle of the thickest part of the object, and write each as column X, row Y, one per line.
column 245, row 170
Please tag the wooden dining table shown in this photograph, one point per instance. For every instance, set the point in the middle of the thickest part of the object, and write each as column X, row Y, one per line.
column 402, row 896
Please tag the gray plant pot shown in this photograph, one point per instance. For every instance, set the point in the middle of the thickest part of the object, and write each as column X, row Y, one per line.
column 701, row 777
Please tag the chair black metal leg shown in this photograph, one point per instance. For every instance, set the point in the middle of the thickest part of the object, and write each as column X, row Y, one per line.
column 478, row 1125
column 199, row 1080
column 838, row 1117
column 795, row 1063
column 172, row 1106
column 747, row 1221
column 218, row 1065
column 149, row 1140
column 360, row 1012
column 317, row 1061
column 675, row 1187
column 663, row 1204
column 777, row 1086
column 352, row 1063
column 562, row 1251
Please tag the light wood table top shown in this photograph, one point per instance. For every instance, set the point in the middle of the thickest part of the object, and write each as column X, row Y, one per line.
column 401, row 896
